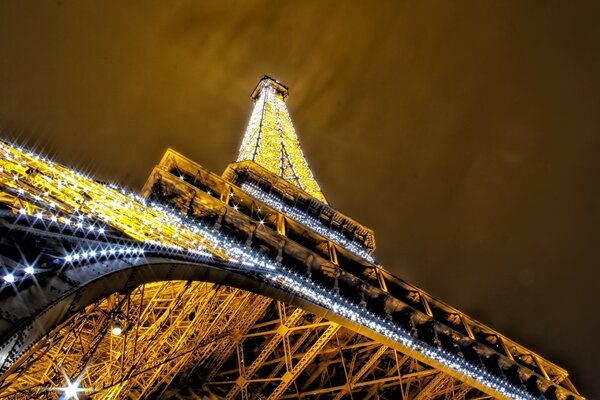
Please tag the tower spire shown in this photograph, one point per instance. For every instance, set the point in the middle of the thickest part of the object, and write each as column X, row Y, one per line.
column 271, row 140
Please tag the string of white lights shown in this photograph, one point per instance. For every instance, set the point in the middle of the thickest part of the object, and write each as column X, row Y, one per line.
column 167, row 230
column 332, row 301
column 307, row 220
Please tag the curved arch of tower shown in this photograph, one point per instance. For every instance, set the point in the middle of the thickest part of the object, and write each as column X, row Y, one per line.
column 242, row 285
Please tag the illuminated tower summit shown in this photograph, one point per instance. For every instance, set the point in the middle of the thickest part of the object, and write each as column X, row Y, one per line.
column 243, row 285
column 271, row 139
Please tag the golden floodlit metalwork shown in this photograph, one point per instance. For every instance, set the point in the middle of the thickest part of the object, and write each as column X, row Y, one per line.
column 245, row 285
column 271, row 139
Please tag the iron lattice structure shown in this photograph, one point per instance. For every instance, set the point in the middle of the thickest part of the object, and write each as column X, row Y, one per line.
column 271, row 139
column 241, row 285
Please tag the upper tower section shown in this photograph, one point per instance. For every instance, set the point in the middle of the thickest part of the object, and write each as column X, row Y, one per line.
column 271, row 141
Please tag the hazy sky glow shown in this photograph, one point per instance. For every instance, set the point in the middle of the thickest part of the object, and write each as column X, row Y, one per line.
column 465, row 134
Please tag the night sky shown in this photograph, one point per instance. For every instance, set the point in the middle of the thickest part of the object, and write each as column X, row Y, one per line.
column 465, row 134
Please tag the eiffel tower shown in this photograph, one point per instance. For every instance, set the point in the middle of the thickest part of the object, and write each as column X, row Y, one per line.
column 244, row 285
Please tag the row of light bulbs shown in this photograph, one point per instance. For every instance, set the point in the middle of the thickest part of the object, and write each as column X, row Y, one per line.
column 356, row 313
column 230, row 252
column 307, row 220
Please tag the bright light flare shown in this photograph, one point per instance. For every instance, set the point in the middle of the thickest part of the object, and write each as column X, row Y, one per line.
column 71, row 391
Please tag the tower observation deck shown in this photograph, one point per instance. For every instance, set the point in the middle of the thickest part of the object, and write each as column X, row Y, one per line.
column 240, row 285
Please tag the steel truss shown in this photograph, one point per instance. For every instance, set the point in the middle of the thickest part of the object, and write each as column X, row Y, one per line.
column 221, row 342
column 67, row 241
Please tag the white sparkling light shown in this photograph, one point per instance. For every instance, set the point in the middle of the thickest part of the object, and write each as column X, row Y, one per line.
column 158, row 219
column 71, row 391
column 306, row 220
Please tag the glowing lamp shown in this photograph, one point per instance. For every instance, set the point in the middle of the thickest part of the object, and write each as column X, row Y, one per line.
column 117, row 328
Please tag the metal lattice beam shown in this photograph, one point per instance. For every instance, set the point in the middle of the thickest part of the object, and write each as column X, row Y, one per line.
column 80, row 257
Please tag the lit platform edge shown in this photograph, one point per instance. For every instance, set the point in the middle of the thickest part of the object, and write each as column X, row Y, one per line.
column 279, row 193
column 38, row 190
column 268, row 80
column 270, row 139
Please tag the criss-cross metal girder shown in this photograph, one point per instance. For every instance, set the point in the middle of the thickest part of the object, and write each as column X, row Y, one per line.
column 242, row 285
